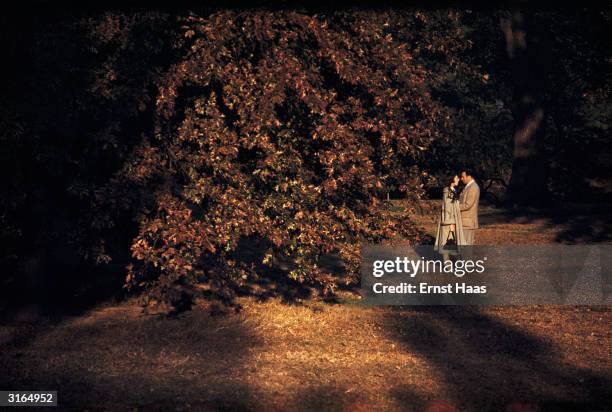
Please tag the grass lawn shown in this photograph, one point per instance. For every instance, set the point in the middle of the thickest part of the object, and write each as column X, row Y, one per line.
column 313, row 355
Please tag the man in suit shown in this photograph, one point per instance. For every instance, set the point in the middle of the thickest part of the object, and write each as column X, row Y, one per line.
column 468, row 205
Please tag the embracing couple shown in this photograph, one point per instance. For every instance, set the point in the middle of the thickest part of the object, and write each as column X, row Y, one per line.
column 458, row 219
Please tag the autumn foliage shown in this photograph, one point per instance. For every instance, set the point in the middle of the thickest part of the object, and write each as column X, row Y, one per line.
column 281, row 127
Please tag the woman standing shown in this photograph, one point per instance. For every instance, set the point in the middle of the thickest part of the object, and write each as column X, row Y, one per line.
column 449, row 219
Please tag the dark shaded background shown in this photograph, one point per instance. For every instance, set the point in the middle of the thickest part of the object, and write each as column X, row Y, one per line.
column 63, row 134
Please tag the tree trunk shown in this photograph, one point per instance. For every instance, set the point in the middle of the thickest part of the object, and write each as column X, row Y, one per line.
column 528, row 184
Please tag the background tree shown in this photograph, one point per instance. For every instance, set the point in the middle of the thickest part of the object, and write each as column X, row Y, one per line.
column 528, row 184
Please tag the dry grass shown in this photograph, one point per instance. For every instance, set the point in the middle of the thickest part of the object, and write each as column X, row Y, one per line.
column 319, row 356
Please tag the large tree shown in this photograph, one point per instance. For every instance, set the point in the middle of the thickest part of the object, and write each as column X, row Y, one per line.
column 280, row 127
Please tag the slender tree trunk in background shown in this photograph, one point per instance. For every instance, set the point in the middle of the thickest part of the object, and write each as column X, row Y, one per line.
column 528, row 184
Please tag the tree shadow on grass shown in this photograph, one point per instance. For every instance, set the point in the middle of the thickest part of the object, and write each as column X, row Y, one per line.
column 192, row 362
column 326, row 398
column 488, row 364
column 109, row 362
column 579, row 223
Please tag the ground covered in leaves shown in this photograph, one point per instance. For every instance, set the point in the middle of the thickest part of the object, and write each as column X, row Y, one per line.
column 312, row 355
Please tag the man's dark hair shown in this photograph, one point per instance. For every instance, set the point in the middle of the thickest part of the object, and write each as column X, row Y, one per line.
column 468, row 172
